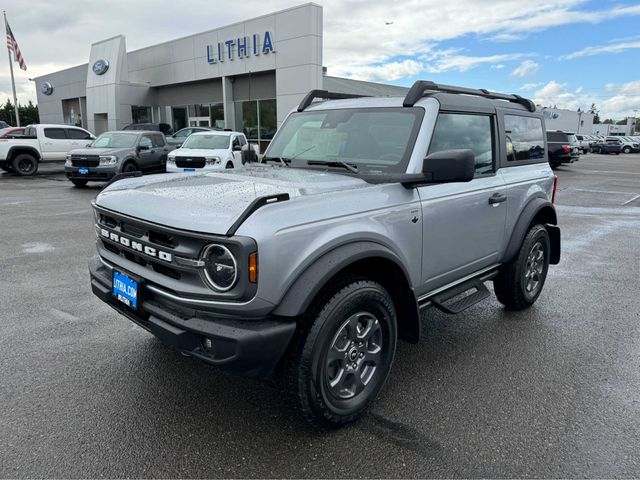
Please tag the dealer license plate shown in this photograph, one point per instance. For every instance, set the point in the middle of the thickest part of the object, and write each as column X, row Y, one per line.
column 125, row 289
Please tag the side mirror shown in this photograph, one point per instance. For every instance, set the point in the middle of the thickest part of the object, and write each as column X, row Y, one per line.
column 143, row 147
column 236, row 148
column 450, row 166
column 249, row 156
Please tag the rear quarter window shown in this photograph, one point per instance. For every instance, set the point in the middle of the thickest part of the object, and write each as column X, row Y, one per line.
column 524, row 138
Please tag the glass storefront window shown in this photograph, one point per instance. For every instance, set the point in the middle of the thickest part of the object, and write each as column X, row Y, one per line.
column 179, row 116
column 140, row 114
column 199, row 110
column 257, row 119
column 247, row 119
column 217, row 115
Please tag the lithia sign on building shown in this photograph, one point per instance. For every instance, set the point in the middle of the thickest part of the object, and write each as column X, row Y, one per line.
column 242, row 47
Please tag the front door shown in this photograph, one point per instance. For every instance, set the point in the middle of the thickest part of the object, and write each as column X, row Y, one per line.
column 463, row 223
column 147, row 154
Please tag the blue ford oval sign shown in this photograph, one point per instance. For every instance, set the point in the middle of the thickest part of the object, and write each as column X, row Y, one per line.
column 46, row 88
column 100, row 67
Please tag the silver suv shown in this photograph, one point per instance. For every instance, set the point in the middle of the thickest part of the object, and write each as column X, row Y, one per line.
column 364, row 213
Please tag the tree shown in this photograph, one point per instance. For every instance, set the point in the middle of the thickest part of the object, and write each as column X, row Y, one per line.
column 622, row 122
column 608, row 121
column 28, row 113
column 596, row 113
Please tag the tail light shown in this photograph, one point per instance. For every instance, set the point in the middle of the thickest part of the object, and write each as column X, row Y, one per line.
column 555, row 187
column 566, row 149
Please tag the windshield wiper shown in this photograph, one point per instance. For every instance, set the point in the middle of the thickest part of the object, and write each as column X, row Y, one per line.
column 284, row 161
column 335, row 163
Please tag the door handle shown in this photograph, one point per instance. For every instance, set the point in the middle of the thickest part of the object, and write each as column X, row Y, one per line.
column 497, row 198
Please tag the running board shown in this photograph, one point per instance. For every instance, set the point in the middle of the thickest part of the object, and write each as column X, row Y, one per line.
column 447, row 302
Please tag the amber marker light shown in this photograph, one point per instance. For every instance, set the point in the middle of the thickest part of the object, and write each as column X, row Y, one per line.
column 253, row 267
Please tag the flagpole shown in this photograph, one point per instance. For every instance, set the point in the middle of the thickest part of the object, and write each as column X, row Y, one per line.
column 13, row 82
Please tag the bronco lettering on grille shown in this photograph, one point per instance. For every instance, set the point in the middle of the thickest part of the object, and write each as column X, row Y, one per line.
column 137, row 246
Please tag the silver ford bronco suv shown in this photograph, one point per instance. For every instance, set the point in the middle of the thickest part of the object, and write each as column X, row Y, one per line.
column 363, row 214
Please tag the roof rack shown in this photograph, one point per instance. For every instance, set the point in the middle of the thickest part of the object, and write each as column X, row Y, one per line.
column 325, row 95
column 418, row 89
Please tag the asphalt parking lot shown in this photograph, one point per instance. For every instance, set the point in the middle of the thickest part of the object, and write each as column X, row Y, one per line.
column 550, row 392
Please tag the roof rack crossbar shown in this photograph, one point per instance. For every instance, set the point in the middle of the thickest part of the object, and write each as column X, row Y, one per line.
column 325, row 95
column 418, row 89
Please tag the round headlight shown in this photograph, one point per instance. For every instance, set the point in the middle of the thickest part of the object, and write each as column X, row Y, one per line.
column 220, row 267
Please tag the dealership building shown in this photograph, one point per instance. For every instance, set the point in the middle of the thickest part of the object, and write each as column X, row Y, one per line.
column 246, row 77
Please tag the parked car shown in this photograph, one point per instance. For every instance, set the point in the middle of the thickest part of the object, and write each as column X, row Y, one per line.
column 610, row 145
column 629, row 145
column 585, row 142
column 117, row 152
column 181, row 135
column 563, row 148
column 165, row 128
column 40, row 143
column 364, row 213
column 11, row 132
column 4, row 124
column 209, row 150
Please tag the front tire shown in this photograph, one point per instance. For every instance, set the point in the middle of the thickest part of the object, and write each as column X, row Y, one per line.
column 627, row 150
column 340, row 362
column 79, row 183
column 521, row 280
column 129, row 167
column 25, row 165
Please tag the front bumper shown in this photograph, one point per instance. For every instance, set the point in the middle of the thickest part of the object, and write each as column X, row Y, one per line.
column 249, row 346
column 99, row 174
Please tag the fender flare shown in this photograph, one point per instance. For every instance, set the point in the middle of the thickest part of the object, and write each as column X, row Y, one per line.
column 549, row 218
column 31, row 150
column 305, row 287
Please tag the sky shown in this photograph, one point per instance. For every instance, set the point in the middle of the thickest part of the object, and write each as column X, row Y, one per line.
column 564, row 53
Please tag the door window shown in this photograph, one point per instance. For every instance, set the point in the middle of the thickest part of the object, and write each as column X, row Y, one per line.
column 158, row 140
column 57, row 133
column 146, row 142
column 76, row 134
column 459, row 131
column 525, row 138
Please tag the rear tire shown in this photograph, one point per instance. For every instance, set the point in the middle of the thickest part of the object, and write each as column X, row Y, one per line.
column 521, row 280
column 340, row 360
column 25, row 165
column 79, row 183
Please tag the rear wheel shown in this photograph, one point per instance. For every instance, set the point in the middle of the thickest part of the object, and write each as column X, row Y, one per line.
column 626, row 150
column 521, row 280
column 25, row 164
column 79, row 183
column 341, row 360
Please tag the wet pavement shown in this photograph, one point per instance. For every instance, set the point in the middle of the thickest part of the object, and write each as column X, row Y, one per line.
column 550, row 392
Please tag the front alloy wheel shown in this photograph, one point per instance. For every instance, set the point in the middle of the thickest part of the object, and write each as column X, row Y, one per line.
column 339, row 362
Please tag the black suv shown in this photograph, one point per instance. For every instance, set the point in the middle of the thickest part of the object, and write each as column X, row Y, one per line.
column 563, row 147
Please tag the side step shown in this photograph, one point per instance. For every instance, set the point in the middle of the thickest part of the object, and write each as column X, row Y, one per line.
column 475, row 289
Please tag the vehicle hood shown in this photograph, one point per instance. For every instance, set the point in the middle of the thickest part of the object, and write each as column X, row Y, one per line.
column 101, row 151
column 211, row 202
column 199, row 152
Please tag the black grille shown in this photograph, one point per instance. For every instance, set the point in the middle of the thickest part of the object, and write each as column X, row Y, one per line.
column 190, row 162
column 85, row 160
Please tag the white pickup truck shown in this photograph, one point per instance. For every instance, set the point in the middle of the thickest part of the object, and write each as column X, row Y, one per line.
column 40, row 143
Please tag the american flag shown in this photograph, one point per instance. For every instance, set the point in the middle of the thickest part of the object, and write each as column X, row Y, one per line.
column 13, row 45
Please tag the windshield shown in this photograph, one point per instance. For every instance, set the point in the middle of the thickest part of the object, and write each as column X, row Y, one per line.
column 115, row 140
column 375, row 140
column 572, row 138
column 207, row 142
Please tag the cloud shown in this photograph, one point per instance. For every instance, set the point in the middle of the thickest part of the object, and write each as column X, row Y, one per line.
column 624, row 99
column 463, row 63
column 610, row 48
column 385, row 71
column 531, row 86
column 525, row 69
